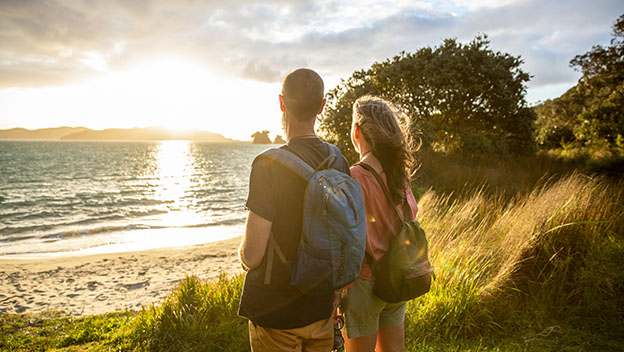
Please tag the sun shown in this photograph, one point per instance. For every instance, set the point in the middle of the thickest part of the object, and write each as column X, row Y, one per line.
column 175, row 93
column 169, row 93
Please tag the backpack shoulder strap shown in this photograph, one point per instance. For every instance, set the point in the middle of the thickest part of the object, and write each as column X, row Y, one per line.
column 339, row 158
column 288, row 160
column 294, row 163
column 273, row 248
column 333, row 150
column 406, row 215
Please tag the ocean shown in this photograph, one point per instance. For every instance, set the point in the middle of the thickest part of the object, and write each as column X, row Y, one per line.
column 68, row 197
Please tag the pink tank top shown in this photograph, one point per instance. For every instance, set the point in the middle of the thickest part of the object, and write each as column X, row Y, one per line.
column 382, row 221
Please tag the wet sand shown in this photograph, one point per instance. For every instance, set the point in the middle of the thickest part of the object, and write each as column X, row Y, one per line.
column 95, row 284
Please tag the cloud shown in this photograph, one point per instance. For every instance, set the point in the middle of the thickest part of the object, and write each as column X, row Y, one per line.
column 547, row 35
column 60, row 41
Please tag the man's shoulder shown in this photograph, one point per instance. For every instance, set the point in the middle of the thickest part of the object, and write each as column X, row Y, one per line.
column 311, row 152
column 270, row 162
column 265, row 158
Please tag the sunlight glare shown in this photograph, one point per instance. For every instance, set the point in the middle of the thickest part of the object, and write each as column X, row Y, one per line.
column 175, row 93
column 167, row 93
column 175, row 167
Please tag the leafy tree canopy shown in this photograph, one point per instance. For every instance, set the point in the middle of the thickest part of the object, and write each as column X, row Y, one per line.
column 556, row 119
column 601, row 123
column 458, row 98
column 591, row 113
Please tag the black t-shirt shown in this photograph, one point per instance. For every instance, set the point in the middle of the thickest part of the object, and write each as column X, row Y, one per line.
column 277, row 194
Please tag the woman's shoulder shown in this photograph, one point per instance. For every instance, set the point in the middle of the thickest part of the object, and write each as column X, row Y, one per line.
column 356, row 168
column 360, row 173
column 366, row 179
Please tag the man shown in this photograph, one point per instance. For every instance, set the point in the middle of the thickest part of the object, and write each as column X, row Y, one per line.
column 281, row 317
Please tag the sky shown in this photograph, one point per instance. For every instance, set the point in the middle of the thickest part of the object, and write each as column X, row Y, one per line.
column 218, row 65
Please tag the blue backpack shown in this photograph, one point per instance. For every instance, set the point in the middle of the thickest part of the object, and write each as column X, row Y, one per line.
column 333, row 239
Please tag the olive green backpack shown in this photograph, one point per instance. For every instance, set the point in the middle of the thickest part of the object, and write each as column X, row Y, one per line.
column 404, row 272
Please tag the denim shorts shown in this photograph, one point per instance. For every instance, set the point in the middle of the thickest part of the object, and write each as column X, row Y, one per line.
column 365, row 313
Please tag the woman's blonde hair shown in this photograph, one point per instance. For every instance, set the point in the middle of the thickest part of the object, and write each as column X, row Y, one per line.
column 386, row 132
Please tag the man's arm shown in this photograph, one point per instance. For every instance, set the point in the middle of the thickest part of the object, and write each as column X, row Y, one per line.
column 255, row 241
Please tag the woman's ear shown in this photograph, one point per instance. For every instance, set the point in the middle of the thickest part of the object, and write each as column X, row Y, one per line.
column 356, row 130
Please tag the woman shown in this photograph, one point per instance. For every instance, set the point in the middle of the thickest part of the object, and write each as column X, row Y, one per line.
column 377, row 135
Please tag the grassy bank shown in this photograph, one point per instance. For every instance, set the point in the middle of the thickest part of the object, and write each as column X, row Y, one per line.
column 540, row 265
column 527, row 256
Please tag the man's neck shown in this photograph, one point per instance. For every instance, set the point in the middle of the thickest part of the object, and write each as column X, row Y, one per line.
column 310, row 134
column 298, row 129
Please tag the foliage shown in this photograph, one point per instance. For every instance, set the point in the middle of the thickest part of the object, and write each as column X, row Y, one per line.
column 602, row 86
column 459, row 97
column 602, row 124
column 591, row 114
column 603, row 67
column 556, row 120
column 196, row 316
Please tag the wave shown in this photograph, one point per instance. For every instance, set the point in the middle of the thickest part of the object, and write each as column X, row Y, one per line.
column 89, row 231
column 57, row 191
column 235, row 221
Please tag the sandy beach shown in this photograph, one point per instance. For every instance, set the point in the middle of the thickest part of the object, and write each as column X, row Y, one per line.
column 95, row 284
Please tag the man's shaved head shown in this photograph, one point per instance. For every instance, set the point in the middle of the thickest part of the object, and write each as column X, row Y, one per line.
column 302, row 90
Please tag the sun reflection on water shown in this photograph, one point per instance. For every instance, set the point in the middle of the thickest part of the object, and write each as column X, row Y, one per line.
column 174, row 166
column 174, row 172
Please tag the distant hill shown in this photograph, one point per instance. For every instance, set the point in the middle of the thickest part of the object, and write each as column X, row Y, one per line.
column 115, row 134
column 44, row 133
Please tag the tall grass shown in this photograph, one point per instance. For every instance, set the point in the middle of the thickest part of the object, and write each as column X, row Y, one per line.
column 536, row 260
column 196, row 316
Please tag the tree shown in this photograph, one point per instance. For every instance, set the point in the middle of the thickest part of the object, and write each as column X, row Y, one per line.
column 556, row 120
column 601, row 122
column 459, row 98
column 590, row 114
column 261, row 137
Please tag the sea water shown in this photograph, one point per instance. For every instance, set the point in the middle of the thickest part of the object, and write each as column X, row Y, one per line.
column 60, row 197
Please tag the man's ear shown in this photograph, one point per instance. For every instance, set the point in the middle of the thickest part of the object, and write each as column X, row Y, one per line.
column 282, row 105
column 322, row 106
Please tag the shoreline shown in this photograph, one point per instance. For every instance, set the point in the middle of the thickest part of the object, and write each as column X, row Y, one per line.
column 102, row 283
column 135, row 240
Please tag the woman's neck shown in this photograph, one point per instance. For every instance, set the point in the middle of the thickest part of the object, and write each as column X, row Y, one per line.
column 370, row 159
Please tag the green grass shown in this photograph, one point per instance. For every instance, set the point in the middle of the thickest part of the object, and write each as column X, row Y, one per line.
column 524, row 265
column 56, row 331
column 197, row 316
column 528, row 256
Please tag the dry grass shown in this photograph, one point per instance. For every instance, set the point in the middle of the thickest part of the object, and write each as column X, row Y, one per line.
column 524, row 262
